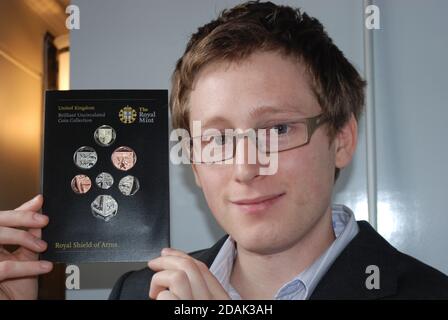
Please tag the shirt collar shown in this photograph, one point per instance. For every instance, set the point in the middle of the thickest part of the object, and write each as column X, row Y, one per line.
column 301, row 286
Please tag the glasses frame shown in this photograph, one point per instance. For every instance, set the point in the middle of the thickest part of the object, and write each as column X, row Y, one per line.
column 312, row 123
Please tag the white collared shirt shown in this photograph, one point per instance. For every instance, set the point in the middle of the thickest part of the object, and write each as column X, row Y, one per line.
column 302, row 286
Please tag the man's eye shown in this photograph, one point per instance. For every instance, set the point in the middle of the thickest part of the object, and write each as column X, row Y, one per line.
column 281, row 128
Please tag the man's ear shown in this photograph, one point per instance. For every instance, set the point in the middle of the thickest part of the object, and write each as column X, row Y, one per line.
column 345, row 143
column 196, row 176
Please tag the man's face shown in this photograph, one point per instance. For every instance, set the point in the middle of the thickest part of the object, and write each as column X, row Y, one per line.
column 264, row 89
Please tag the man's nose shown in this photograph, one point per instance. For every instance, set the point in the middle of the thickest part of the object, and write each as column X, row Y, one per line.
column 246, row 166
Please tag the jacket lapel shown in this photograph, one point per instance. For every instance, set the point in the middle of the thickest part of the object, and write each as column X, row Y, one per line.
column 346, row 278
column 208, row 256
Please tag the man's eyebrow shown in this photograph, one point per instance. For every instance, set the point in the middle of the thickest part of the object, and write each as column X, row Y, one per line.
column 259, row 111
column 215, row 122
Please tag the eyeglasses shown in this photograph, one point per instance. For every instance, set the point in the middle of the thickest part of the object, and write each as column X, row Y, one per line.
column 219, row 147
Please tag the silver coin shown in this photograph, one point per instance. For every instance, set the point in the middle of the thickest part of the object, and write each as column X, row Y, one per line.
column 129, row 185
column 104, row 207
column 104, row 180
column 124, row 158
column 105, row 135
column 85, row 157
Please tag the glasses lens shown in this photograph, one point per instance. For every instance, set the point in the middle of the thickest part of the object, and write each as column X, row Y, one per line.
column 212, row 149
column 286, row 137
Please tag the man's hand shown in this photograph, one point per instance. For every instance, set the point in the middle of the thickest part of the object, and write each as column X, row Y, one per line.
column 19, row 269
column 181, row 277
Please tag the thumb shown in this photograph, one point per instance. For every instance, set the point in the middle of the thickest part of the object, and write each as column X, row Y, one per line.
column 32, row 205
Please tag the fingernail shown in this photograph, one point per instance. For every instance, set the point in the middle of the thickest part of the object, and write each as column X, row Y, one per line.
column 35, row 198
column 46, row 265
column 39, row 217
column 40, row 243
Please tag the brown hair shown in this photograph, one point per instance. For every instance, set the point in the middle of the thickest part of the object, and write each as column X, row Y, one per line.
column 263, row 26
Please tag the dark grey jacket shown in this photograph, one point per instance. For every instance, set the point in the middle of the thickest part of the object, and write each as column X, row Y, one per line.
column 401, row 276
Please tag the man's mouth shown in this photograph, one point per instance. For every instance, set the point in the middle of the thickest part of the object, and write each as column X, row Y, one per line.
column 256, row 204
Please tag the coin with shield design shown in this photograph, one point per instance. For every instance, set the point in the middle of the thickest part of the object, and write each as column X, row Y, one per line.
column 105, row 135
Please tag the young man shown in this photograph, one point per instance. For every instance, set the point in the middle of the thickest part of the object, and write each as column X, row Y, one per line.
column 259, row 66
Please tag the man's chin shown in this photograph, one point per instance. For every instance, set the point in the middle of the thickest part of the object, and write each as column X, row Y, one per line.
column 260, row 242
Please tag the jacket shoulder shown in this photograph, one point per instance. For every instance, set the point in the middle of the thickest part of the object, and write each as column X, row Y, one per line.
column 399, row 275
column 417, row 280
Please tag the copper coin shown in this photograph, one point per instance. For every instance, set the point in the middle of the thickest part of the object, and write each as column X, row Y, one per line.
column 124, row 158
column 81, row 184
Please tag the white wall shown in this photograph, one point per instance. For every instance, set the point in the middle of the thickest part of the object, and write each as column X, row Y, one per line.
column 411, row 84
column 135, row 44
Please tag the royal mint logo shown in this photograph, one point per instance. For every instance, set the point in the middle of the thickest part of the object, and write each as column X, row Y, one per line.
column 127, row 115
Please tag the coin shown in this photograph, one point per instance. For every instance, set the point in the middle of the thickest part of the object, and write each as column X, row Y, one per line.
column 105, row 135
column 104, row 180
column 104, row 207
column 124, row 158
column 81, row 184
column 129, row 185
column 85, row 157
